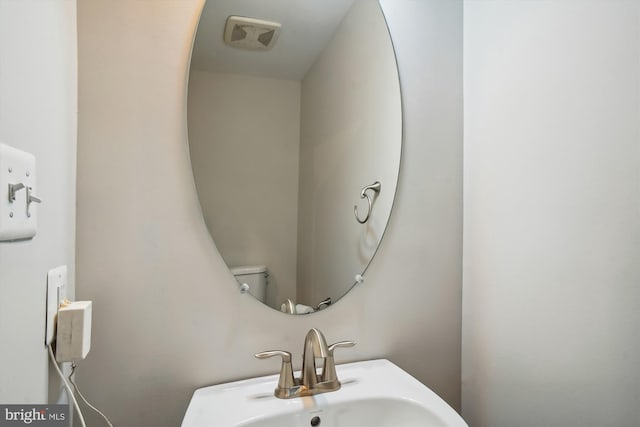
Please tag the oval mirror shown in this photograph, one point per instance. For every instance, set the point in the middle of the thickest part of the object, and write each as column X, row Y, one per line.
column 295, row 131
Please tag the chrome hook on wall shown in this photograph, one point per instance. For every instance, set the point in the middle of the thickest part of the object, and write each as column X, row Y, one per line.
column 363, row 195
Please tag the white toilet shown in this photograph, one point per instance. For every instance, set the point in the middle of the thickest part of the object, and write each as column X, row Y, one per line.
column 256, row 277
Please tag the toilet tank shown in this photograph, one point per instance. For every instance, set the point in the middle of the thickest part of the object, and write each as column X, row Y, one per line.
column 255, row 276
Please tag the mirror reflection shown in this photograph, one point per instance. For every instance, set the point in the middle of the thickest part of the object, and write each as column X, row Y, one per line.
column 295, row 132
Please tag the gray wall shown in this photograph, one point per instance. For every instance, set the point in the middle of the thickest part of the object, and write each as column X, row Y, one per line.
column 351, row 131
column 37, row 114
column 552, row 204
column 167, row 315
column 244, row 134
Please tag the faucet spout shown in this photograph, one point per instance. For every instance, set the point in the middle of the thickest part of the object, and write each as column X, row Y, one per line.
column 315, row 346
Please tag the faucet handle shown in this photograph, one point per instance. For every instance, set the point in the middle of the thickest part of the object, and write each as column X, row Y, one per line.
column 286, row 380
column 329, row 369
column 345, row 344
column 286, row 356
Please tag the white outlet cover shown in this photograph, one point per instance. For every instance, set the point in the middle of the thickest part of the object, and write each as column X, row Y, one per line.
column 56, row 292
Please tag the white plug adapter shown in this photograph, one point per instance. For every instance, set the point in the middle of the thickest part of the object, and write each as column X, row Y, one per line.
column 73, row 340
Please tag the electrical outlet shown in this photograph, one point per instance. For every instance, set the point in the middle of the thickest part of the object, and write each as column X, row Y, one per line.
column 56, row 292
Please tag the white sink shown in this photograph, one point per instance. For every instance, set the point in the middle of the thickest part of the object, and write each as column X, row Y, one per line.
column 374, row 393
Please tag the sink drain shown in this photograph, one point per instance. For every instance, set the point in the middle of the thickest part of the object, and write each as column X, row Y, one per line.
column 315, row 421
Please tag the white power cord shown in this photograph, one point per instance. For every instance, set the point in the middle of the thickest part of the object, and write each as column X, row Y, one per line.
column 75, row 386
column 66, row 384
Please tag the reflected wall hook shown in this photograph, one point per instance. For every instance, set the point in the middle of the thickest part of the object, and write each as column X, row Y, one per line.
column 363, row 195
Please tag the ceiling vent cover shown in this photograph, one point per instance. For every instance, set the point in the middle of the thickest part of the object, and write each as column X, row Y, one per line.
column 250, row 33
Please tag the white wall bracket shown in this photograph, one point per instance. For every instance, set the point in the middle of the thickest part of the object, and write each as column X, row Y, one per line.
column 56, row 293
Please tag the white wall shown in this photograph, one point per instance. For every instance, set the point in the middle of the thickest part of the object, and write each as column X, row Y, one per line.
column 346, row 142
column 552, row 204
column 38, row 115
column 167, row 315
column 244, row 135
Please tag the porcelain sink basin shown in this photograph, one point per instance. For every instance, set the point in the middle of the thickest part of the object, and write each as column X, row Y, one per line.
column 374, row 393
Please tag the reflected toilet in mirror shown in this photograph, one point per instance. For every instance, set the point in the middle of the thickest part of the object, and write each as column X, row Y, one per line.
column 252, row 279
column 295, row 138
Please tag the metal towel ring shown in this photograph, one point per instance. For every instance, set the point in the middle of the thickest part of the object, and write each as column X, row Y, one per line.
column 363, row 195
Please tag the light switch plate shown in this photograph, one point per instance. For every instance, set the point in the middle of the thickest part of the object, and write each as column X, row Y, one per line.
column 17, row 167
column 56, row 292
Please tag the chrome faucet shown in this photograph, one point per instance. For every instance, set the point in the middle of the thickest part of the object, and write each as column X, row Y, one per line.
column 310, row 383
